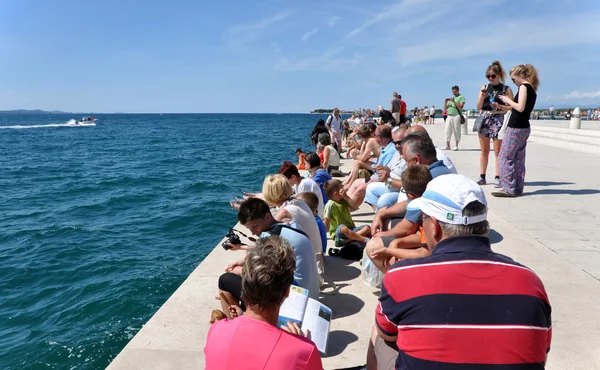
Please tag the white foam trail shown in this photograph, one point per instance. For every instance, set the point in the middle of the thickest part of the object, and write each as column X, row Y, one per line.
column 69, row 123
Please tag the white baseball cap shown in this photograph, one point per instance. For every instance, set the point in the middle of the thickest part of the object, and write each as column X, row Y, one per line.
column 445, row 198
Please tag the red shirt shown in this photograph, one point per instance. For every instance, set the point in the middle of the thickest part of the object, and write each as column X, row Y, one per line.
column 402, row 107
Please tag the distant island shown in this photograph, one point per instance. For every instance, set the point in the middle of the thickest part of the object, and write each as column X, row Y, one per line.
column 34, row 111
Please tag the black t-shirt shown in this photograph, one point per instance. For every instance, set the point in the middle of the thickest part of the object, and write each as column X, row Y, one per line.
column 495, row 91
column 521, row 119
column 386, row 116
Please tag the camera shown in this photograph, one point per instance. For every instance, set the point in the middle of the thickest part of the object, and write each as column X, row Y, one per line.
column 232, row 238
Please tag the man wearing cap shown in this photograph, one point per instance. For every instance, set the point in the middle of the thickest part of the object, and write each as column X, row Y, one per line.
column 335, row 126
column 464, row 306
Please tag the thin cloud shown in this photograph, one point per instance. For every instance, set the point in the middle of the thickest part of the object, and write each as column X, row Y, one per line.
column 329, row 59
column 538, row 37
column 242, row 34
column 333, row 20
column 309, row 34
column 577, row 95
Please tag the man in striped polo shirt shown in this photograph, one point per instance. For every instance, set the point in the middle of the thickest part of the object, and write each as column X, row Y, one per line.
column 464, row 307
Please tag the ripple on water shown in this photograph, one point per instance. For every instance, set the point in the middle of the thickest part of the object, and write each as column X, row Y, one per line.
column 101, row 224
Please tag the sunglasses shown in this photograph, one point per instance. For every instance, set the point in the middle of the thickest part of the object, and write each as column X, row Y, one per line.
column 399, row 142
column 490, row 76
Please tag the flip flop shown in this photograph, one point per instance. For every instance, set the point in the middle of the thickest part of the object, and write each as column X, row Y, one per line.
column 503, row 194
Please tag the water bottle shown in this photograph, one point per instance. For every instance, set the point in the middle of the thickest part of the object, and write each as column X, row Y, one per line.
column 493, row 100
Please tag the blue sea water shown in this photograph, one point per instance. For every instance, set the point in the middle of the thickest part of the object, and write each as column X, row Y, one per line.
column 99, row 225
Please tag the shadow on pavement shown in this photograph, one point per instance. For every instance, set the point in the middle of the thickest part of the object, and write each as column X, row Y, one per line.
column 495, row 237
column 343, row 305
column 338, row 341
column 548, row 183
column 563, row 192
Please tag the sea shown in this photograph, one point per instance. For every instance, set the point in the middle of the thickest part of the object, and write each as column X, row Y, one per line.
column 100, row 223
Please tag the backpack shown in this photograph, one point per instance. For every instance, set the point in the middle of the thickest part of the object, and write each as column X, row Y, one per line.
column 333, row 117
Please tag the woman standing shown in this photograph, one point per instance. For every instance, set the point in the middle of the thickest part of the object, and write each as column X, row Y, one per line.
column 511, row 161
column 492, row 111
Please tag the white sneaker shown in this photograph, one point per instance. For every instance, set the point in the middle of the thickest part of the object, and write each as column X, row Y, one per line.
column 455, row 148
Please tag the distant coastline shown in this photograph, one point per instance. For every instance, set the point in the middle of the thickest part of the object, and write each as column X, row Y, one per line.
column 32, row 111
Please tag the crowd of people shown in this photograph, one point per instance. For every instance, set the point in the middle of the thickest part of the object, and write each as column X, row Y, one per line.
column 447, row 300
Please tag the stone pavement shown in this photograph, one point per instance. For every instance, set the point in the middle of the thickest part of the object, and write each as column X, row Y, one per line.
column 553, row 229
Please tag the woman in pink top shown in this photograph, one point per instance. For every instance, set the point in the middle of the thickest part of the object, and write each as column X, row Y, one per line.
column 253, row 341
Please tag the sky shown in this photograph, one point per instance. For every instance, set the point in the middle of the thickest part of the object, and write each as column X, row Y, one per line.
column 283, row 56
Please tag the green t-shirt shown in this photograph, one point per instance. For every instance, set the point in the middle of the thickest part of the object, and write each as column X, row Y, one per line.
column 452, row 107
column 338, row 214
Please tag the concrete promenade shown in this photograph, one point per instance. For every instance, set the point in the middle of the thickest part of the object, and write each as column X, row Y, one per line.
column 554, row 228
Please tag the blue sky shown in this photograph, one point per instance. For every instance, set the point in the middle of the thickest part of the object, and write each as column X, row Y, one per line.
column 283, row 56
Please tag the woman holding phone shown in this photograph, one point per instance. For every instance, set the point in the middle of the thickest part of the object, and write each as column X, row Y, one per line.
column 492, row 109
column 511, row 161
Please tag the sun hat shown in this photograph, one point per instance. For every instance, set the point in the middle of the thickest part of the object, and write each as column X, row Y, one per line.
column 446, row 197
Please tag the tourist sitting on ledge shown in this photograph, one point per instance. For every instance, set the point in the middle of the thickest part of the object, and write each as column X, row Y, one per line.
column 301, row 155
column 382, row 148
column 278, row 192
column 414, row 181
column 338, row 219
column 331, row 157
column 255, row 215
column 317, row 173
column 254, row 338
column 302, row 185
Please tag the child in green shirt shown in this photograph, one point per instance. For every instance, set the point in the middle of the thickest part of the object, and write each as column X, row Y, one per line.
column 337, row 218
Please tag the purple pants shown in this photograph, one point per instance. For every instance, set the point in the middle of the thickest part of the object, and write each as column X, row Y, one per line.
column 511, row 161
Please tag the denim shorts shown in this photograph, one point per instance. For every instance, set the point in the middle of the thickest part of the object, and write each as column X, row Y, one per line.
column 339, row 235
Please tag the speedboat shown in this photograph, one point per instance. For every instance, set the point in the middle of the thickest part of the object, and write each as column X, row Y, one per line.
column 88, row 119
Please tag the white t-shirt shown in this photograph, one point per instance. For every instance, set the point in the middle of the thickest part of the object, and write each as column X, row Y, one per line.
column 447, row 162
column 305, row 218
column 432, row 112
column 335, row 122
column 308, row 185
column 358, row 121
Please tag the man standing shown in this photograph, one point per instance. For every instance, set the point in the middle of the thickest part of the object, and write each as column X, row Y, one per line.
column 402, row 111
column 335, row 126
column 454, row 107
column 432, row 115
column 395, row 109
column 552, row 112
column 464, row 306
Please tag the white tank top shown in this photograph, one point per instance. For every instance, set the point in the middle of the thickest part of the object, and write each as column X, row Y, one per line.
column 334, row 156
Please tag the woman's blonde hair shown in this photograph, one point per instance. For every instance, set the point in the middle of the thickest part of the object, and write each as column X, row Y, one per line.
column 268, row 273
column 527, row 72
column 276, row 189
column 496, row 67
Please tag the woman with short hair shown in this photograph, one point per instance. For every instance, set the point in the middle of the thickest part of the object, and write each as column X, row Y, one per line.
column 254, row 337
column 278, row 192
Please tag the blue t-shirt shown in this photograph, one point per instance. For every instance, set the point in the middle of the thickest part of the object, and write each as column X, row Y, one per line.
column 322, row 231
column 435, row 169
column 385, row 157
column 306, row 274
column 321, row 177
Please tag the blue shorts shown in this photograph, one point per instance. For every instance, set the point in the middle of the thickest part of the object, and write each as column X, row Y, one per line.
column 339, row 235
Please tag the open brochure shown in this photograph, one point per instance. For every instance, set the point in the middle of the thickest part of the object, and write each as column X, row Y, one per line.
column 309, row 314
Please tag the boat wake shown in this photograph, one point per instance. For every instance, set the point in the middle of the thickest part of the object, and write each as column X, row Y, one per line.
column 69, row 123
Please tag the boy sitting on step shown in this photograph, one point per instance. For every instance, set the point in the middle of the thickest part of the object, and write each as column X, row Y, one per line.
column 414, row 182
column 312, row 202
column 337, row 217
